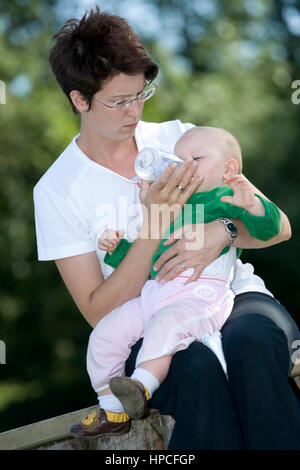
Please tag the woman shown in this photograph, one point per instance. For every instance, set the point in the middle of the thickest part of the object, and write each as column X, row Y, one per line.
column 104, row 70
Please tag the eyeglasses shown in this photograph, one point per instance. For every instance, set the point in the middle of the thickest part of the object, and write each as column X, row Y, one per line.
column 126, row 102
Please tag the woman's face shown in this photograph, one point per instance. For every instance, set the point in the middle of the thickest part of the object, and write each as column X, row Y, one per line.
column 115, row 124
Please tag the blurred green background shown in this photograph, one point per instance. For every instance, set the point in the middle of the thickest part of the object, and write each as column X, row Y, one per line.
column 230, row 64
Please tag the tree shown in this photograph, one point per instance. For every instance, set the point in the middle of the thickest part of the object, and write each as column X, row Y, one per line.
column 229, row 64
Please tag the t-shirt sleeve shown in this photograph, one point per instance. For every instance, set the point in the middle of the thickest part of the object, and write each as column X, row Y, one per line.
column 61, row 230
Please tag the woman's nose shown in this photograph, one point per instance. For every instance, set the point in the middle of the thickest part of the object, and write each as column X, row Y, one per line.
column 135, row 109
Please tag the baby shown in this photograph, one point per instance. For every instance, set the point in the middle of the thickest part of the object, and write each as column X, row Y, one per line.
column 171, row 316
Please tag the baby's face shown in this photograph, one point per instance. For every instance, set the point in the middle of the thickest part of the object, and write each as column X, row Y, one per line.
column 207, row 149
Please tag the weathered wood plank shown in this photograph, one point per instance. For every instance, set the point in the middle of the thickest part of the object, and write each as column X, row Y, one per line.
column 145, row 434
column 53, row 434
column 296, row 369
column 42, row 431
column 151, row 433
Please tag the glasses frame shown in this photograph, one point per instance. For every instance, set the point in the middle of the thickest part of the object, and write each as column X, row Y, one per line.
column 129, row 101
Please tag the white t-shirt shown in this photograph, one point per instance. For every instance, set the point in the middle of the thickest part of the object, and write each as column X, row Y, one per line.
column 77, row 199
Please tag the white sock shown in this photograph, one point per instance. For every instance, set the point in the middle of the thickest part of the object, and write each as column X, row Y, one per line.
column 110, row 403
column 147, row 379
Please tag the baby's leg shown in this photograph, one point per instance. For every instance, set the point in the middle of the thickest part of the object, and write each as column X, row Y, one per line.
column 110, row 344
column 135, row 392
column 109, row 347
column 158, row 367
column 152, row 367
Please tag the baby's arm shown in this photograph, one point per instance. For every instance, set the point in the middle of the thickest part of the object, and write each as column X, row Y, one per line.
column 243, row 196
column 260, row 216
column 115, row 245
column 110, row 239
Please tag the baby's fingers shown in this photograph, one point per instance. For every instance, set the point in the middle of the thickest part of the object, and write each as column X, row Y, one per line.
column 120, row 234
column 107, row 244
column 227, row 199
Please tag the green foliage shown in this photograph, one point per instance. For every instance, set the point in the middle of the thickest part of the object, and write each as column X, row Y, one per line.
column 232, row 65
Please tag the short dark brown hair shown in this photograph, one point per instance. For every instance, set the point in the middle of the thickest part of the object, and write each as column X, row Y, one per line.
column 95, row 48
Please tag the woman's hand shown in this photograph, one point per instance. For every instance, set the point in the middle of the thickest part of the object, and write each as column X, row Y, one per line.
column 196, row 247
column 162, row 201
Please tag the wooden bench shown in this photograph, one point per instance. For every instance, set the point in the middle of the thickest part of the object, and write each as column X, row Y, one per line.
column 151, row 433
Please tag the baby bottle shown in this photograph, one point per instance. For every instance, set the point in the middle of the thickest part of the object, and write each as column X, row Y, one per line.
column 150, row 163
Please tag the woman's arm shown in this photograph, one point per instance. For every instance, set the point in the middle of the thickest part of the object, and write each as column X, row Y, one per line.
column 95, row 296
column 178, row 257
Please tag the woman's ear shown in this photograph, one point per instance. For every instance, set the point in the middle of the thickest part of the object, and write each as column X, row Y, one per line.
column 231, row 168
column 79, row 101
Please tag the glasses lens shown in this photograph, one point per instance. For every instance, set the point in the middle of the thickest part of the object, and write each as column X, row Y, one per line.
column 122, row 104
column 145, row 95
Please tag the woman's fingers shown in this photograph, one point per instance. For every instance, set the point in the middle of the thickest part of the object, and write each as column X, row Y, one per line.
column 174, row 176
column 190, row 188
column 174, row 186
column 177, row 235
column 165, row 177
column 182, row 176
column 168, row 254
column 172, row 269
column 197, row 272
column 144, row 189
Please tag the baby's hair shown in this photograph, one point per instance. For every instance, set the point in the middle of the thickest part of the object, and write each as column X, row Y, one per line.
column 232, row 147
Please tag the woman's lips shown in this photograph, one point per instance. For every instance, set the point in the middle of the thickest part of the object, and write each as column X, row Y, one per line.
column 131, row 126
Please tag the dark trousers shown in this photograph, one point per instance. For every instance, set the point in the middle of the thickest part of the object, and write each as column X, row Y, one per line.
column 256, row 407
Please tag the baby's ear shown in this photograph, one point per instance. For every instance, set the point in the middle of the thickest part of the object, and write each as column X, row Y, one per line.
column 231, row 168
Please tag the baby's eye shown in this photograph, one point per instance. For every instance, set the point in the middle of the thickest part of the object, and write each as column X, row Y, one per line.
column 196, row 158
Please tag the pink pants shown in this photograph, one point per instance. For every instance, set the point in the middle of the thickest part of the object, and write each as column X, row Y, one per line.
column 169, row 317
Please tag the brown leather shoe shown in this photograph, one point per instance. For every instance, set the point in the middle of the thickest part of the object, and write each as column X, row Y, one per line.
column 131, row 394
column 96, row 424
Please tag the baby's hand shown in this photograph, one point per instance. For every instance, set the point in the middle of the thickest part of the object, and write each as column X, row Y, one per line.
column 110, row 239
column 243, row 195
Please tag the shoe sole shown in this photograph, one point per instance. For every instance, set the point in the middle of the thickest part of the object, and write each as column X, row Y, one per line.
column 130, row 395
column 100, row 435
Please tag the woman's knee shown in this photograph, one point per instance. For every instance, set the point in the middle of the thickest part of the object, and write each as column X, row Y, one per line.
column 197, row 363
column 250, row 303
column 254, row 336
